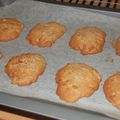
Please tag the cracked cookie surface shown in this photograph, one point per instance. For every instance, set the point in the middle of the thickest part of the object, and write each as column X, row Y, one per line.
column 10, row 29
column 88, row 40
column 26, row 68
column 112, row 89
column 76, row 80
column 45, row 34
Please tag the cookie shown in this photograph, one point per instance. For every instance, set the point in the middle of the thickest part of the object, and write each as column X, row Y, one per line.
column 88, row 40
column 76, row 80
column 1, row 55
column 10, row 28
column 117, row 46
column 111, row 89
column 26, row 68
column 44, row 35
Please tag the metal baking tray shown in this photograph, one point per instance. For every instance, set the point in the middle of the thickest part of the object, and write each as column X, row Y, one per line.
column 50, row 109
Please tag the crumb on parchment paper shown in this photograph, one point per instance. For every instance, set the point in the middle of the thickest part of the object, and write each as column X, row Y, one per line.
column 109, row 59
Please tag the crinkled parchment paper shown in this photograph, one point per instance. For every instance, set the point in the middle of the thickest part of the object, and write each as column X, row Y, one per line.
column 107, row 62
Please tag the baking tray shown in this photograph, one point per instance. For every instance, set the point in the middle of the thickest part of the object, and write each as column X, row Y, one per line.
column 41, row 107
column 20, row 103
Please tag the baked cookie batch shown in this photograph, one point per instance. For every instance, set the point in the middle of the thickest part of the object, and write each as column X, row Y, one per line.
column 74, row 80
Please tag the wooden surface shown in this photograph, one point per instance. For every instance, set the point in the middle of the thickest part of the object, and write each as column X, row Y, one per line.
column 11, row 116
column 7, row 113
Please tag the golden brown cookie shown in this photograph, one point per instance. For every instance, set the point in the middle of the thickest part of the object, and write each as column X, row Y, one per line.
column 44, row 35
column 1, row 55
column 88, row 40
column 76, row 80
column 112, row 89
column 26, row 68
column 10, row 28
column 117, row 46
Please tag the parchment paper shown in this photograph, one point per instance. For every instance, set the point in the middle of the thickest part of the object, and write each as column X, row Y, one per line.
column 107, row 62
